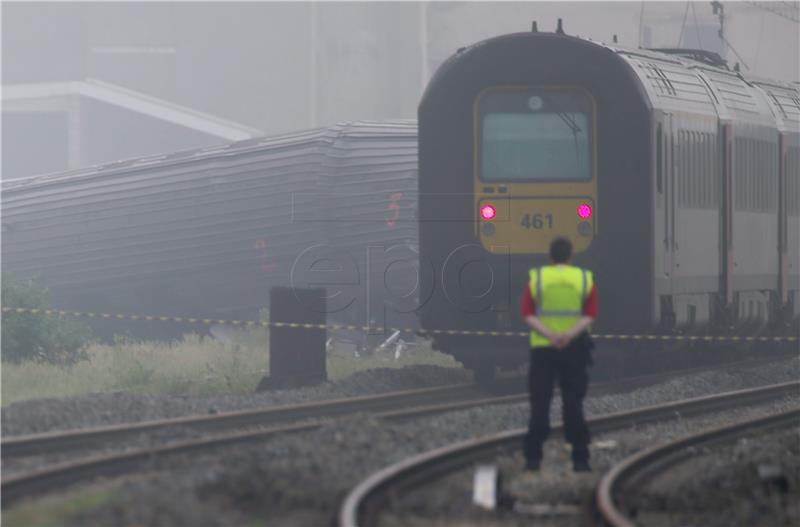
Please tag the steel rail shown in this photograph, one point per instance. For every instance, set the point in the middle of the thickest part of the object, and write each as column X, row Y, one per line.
column 362, row 505
column 660, row 458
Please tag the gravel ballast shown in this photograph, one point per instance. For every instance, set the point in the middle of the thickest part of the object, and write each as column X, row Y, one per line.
column 98, row 409
column 556, row 496
column 300, row 479
column 753, row 481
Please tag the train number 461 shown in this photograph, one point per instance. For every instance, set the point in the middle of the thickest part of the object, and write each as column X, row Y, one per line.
column 537, row 221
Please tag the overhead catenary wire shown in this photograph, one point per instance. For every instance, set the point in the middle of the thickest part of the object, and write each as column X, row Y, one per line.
column 727, row 43
column 787, row 10
column 683, row 24
column 697, row 28
column 758, row 45
column 641, row 17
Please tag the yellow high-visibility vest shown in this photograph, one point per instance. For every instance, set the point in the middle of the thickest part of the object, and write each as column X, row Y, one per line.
column 559, row 292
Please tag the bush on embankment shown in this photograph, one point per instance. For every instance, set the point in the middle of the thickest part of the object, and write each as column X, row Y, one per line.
column 34, row 336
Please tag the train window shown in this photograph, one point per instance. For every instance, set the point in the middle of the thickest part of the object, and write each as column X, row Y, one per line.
column 536, row 135
column 702, row 197
column 689, row 168
column 717, row 166
column 758, row 180
column 747, row 193
column 758, row 161
column 711, row 167
column 758, row 186
column 748, row 170
column 659, row 158
column 711, row 177
column 753, row 158
column 739, row 168
column 747, row 156
column 773, row 155
column 697, row 176
column 703, row 170
column 766, row 187
column 793, row 181
column 678, row 161
column 708, row 166
column 692, row 169
column 752, row 162
column 681, row 156
column 683, row 166
column 706, row 170
column 748, row 164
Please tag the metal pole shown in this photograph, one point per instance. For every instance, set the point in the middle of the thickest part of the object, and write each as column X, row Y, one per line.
column 423, row 44
column 313, row 61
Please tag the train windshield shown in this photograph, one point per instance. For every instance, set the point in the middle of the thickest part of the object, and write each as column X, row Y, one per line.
column 535, row 135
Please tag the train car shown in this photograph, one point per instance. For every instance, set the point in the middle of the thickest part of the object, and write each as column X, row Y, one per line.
column 207, row 232
column 675, row 178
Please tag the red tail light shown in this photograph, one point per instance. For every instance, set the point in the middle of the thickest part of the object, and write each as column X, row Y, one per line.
column 584, row 211
column 488, row 212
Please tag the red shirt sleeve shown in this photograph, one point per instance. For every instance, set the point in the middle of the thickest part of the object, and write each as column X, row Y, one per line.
column 528, row 306
column 590, row 305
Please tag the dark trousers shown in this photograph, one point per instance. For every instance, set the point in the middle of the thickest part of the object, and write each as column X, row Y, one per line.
column 571, row 370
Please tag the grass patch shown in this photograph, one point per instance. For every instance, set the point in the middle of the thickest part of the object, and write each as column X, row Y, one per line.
column 52, row 511
column 193, row 365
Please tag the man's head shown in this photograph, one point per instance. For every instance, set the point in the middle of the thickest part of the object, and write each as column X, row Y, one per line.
column 560, row 250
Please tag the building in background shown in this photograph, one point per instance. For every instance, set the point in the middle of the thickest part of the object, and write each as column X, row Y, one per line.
column 283, row 66
column 56, row 126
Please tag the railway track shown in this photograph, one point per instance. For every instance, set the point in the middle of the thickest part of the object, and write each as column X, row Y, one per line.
column 468, row 394
column 364, row 503
column 253, row 425
column 619, row 483
column 57, row 476
column 96, row 437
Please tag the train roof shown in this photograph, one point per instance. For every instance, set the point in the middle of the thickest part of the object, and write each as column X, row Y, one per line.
column 678, row 79
column 323, row 137
column 697, row 81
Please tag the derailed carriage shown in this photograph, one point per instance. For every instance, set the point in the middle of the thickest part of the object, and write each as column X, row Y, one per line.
column 206, row 232
column 676, row 179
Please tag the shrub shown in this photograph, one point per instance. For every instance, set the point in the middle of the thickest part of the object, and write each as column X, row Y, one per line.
column 38, row 337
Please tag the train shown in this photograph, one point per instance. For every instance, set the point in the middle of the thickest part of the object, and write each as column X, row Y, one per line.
column 675, row 177
column 207, row 232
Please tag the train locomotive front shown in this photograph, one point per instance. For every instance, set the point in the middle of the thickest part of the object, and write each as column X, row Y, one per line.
column 524, row 138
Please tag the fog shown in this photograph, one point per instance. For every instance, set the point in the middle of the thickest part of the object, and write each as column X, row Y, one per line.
column 196, row 74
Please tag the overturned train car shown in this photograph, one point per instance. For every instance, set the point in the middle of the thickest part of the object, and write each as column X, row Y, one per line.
column 207, row 232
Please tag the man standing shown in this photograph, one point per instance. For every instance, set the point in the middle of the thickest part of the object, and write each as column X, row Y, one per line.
column 558, row 305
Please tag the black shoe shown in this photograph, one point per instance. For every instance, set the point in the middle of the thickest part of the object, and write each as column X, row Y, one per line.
column 581, row 466
column 533, row 465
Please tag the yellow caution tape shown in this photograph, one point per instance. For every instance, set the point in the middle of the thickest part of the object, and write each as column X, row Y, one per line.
column 350, row 327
